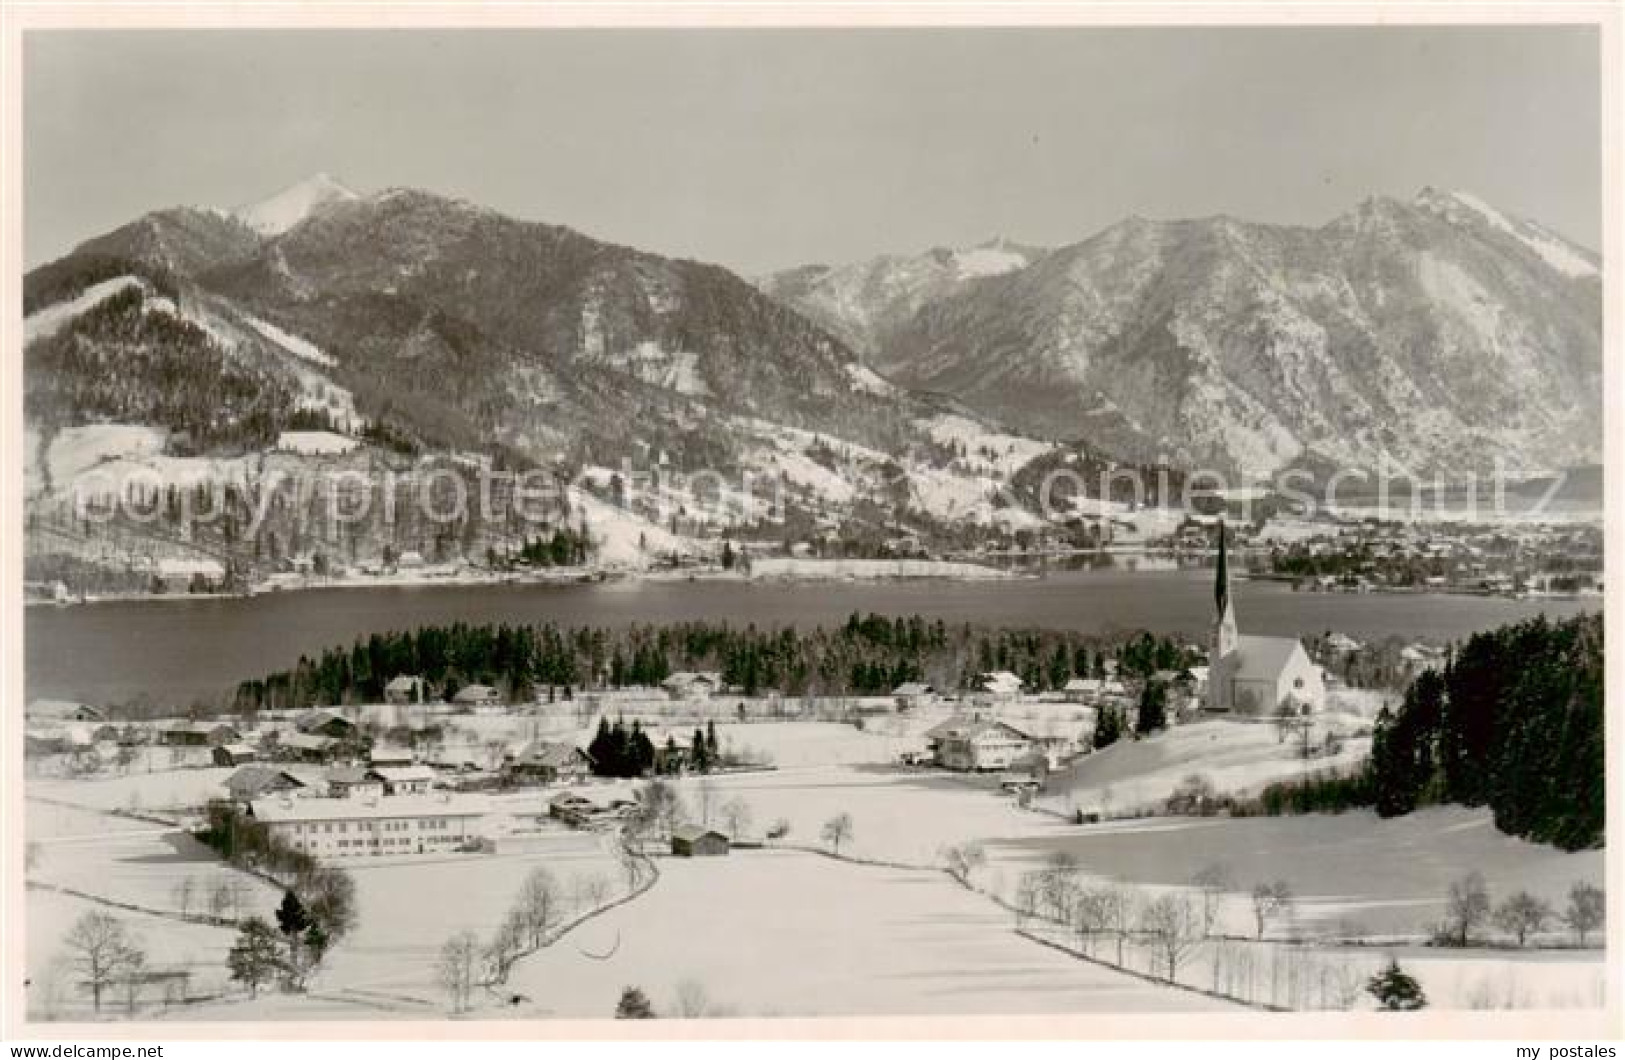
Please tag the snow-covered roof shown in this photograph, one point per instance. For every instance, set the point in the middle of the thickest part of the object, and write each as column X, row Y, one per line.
column 402, row 774
column 1000, row 681
column 689, row 833
column 1262, row 658
column 913, row 688
column 63, row 709
column 684, row 678
column 970, row 729
column 250, row 781
column 323, row 809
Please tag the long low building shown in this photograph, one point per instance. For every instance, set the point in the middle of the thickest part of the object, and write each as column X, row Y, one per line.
column 391, row 826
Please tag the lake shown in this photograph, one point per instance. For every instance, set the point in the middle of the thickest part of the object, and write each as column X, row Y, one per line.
column 181, row 650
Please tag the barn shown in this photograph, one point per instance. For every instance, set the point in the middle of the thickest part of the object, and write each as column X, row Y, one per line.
column 692, row 841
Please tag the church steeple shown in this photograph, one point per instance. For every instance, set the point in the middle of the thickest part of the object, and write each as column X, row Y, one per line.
column 1224, row 631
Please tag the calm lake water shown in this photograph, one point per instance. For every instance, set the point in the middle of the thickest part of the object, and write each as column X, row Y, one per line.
column 180, row 650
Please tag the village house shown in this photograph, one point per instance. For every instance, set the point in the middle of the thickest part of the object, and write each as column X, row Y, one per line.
column 305, row 747
column 997, row 687
column 403, row 780
column 346, row 829
column 583, row 811
column 68, row 736
column 693, row 841
column 972, row 745
column 404, row 689
column 912, row 695
column 183, row 575
column 475, row 696
column 197, row 734
column 257, row 782
column 352, row 782
column 1057, row 739
column 551, row 763
column 688, row 685
column 382, row 755
column 329, row 723
column 233, row 754
column 61, row 710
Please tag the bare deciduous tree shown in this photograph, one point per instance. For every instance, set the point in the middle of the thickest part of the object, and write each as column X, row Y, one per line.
column 455, row 968
column 736, row 816
column 1211, row 882
column 692, row 1001
column 1522, row 915
column 538, row 905
column 1467, row 906
column 1585, row 910
column 182, row 893
column 1173, row 923
column 102, row 949
column 1270, row 900
column 505, row 947
column 837, row 830
column 962, row 859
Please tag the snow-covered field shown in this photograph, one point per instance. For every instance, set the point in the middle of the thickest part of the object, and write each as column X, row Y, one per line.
column 783, row 933
column 1238, row 757
column 1353, row 874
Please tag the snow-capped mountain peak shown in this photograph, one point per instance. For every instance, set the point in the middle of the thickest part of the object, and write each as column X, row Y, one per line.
column 1460, row 207
column 291, row 205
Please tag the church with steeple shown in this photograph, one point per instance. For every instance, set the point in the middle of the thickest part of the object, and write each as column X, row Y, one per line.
column 1255, row 675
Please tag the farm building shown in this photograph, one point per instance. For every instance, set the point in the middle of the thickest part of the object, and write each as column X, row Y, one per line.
column 476, row 696
column 233, row 754
column 197, row 734
column 692, row 841
column 382, row 756
column 305, row 747
column 1057, row 739
column 970, row 745
column 257, row 782
column 341, row 829
column 403, row 780
column 579, row 811
column 404, row 689
column 352, row 782
column 329, row 723
column 551, row 762
column 686, row 684
column 61, row 710
column 913, row 694
column 998, row 686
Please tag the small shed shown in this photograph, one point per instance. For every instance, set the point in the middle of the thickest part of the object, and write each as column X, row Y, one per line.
column 691, row 841
column 233, row 754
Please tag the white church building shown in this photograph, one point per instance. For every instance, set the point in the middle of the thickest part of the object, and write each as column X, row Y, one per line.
column 1252, row 674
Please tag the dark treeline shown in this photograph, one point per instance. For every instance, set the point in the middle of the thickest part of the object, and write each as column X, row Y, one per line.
column 1514, row 721
column 863, row 656
column 118, row 361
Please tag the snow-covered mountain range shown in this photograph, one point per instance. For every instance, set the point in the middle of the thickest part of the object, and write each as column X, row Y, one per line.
column 890, row 397
column 1438, row 331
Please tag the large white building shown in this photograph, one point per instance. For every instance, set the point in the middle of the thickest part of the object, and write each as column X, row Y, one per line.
column 1252, row 674
column 340, row 829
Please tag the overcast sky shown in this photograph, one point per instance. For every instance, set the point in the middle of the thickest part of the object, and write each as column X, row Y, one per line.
column 761, row 150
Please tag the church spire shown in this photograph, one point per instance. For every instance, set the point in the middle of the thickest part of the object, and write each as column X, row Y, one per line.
column 1225, row 635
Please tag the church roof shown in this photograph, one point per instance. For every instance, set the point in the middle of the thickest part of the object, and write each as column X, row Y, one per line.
column 1262, row 658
